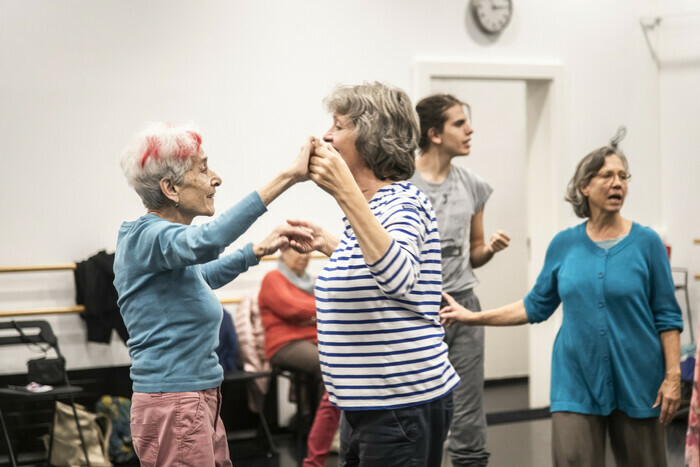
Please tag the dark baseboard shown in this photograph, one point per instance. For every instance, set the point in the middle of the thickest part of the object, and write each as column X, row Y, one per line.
column 517, row 380
column 515, row 416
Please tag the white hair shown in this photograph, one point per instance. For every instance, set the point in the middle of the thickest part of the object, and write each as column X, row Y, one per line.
column 160, row 151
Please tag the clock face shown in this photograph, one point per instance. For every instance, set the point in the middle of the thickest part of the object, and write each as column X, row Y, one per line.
column 492, row 16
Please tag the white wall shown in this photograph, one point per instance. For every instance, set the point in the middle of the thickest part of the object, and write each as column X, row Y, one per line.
column 678, row 44
column 78, row 78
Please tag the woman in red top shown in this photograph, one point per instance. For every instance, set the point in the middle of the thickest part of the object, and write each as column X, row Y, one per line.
column 288, row 311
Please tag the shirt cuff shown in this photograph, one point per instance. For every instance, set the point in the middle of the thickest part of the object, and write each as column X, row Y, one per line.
column 249, row 255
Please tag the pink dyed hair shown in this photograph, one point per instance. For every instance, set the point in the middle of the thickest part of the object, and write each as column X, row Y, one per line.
column 161, row 150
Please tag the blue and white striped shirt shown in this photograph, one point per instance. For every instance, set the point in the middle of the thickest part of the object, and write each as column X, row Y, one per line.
column 380, row 340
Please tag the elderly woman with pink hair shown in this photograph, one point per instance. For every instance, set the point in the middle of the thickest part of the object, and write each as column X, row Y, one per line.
column 165, row 272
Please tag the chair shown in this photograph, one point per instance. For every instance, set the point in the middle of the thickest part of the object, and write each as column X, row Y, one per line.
column 245, row 377
column 681, row 285
column 37, row 332
column 300, row 380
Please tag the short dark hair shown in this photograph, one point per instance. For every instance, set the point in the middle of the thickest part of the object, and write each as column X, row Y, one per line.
column 586, row 169
column 432, row 114
column 386, row 127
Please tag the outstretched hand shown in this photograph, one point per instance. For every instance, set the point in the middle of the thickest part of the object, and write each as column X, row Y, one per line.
column 281, row 237
column 300, row 166
column 454, row 312
column 320, row 239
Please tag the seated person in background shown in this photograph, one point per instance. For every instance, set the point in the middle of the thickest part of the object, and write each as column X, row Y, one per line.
column 288, row 312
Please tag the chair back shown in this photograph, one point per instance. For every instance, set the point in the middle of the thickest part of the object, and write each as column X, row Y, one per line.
column 32, row 332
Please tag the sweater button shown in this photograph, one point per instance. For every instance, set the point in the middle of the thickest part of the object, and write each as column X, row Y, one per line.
column 600, row 275
column 601, row 304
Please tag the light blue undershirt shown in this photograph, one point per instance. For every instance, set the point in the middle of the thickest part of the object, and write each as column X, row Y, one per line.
column 607, row 244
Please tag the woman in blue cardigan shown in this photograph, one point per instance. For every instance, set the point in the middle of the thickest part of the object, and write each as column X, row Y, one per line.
column 616, row 358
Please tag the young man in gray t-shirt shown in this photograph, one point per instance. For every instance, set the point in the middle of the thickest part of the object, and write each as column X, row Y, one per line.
column 458, row 197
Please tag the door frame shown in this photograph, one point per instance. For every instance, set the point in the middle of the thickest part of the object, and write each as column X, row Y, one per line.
column 547, row 133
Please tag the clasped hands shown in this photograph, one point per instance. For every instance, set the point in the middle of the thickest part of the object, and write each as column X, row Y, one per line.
column 319, row 162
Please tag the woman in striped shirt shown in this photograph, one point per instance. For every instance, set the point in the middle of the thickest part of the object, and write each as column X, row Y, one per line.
column 380, row 341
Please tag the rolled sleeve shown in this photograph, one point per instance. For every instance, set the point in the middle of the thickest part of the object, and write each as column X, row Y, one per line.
column 667, row 312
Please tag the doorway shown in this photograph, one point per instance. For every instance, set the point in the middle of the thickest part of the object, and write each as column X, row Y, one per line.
column 517, row 114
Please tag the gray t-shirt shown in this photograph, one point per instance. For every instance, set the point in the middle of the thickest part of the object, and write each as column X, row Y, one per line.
column 461, row 195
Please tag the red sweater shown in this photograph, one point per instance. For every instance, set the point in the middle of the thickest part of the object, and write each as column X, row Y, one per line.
column 287, row 313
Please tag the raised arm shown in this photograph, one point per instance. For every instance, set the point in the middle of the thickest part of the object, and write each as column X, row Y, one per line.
column 295, row 173
column 329, row 171
column 481, row 252
column 390, row 246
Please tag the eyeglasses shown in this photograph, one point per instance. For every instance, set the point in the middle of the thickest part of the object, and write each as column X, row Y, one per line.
column 609, row 175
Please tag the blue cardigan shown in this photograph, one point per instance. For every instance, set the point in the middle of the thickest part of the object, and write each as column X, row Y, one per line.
column 164, row 275
column 607, row 354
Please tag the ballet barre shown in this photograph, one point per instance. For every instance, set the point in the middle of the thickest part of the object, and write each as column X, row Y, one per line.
column 80, row 308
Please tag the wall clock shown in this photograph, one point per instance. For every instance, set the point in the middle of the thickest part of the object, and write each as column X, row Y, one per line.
column 492, row 16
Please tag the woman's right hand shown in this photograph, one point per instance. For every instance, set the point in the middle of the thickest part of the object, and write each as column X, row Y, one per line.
column 454, row 312
column 328, row 170
column 321, row 240
column 295, row 173
column 300, row 166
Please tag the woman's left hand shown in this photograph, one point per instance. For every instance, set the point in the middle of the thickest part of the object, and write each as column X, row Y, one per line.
column 322, row 240
column 280, row 237
column 669, row 397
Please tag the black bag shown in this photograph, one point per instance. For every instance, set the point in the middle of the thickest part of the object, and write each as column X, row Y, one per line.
column 47, row 371
column 44, row 370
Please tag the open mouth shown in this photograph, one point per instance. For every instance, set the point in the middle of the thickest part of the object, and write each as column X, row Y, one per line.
column 615, row 197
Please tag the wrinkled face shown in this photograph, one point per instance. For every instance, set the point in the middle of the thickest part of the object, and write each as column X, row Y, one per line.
column 608, row 188
column 196, row 194
column 342, row 137
column 295, row 261
column 455, row 137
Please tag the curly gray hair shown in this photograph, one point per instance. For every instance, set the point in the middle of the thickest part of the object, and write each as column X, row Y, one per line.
column 386, row 127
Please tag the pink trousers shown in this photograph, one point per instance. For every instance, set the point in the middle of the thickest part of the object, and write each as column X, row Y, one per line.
column 179, row 428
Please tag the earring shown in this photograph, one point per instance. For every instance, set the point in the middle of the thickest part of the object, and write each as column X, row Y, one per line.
column 177, row 204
